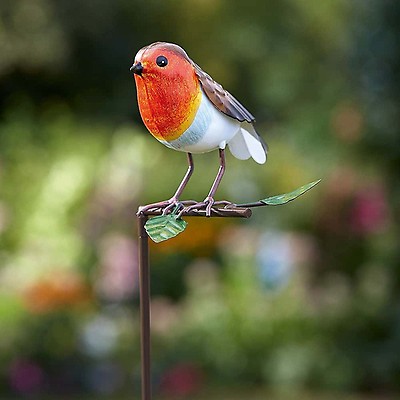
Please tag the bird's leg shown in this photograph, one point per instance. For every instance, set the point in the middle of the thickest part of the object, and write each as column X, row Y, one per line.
column 174, row 200
column 185, row 179
column 167, row 205
column 209, row 200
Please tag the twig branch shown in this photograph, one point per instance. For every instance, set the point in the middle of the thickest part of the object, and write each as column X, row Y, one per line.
column 239, row 212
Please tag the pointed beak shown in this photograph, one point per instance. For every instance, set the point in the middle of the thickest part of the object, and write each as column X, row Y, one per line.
column 137, row 68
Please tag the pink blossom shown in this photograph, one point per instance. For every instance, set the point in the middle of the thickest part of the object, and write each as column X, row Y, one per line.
column 182, row 380
column 370, row 211
column 26, row 376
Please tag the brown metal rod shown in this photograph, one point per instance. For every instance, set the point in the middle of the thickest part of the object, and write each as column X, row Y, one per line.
column 144, row 283
column 215, row 212
column 144, row 287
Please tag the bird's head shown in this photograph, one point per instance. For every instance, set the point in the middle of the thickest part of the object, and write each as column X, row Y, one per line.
column 168, row 89
column 162, row 62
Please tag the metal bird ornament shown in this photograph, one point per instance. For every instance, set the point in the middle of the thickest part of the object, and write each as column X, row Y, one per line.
column 186, row 110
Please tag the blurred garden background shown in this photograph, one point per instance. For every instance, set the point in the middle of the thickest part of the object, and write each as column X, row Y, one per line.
column 300, row 302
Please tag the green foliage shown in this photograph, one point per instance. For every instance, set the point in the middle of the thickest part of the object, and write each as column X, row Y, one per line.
column 164, row 227
column 285, row 198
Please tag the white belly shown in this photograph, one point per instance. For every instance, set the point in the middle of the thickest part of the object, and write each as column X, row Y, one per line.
column 210, row 130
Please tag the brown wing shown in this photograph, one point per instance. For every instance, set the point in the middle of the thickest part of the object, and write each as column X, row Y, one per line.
column 226, row 103
column 221, row 98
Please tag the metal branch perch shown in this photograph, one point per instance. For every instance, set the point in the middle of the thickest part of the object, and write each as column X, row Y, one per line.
column 162, row 227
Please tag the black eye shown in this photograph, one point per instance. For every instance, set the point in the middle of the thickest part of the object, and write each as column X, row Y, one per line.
column 162, row 61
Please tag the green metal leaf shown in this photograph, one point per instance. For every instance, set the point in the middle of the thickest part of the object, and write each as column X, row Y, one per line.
column 164, row 227
column 285, row 198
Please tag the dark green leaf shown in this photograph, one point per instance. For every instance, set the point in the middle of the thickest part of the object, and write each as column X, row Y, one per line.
column 164, row 227
column 285, row 198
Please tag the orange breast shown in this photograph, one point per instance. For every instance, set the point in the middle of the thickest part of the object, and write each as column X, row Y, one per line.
column 168, row 103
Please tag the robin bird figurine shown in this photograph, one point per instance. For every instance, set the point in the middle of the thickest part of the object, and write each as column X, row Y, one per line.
column 186, row 110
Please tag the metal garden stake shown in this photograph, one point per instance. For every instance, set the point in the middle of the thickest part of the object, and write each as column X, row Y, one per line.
column 186, row 110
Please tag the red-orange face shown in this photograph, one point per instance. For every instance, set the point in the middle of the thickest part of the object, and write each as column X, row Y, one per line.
column 168, row 90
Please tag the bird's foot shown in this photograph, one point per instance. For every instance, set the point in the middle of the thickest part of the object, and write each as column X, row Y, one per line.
column 208, row 204
column 165, row 206
column 158, row 206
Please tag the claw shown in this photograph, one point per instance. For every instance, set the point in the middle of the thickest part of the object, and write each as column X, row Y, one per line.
column 208, row 204
column 162, row 205
column 174, row 205
column 167, row 206
column 209, row 201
